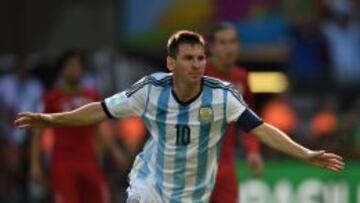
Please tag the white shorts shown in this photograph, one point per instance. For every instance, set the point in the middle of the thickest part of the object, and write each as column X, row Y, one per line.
column 140, row 191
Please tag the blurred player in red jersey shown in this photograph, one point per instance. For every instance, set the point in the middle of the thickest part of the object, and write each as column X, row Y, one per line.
column 75, row 174
column 224, row 48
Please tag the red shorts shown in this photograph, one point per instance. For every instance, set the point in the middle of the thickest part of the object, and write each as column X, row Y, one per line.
column 74, row 182
column 226, row 186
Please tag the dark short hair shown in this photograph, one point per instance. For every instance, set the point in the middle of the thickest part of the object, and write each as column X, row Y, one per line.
column 183, row 37
column 210, row 37
column 65, row 56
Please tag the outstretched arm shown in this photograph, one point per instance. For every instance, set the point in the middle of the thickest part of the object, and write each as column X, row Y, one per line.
column 91, row 113
column 280, row 141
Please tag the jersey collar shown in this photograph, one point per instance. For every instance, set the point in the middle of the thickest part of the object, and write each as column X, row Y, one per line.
column 185, row 103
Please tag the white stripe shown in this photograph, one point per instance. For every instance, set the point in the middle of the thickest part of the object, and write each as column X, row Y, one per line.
column 192, row 153
column 215, row 136
column 170, row 146
column 154, row 131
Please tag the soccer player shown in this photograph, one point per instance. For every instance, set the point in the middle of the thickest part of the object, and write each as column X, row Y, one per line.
column 224, row 48
column 186, row 114
column 75, row 174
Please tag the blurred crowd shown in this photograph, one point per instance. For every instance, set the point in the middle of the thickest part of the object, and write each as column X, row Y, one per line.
column 322, row 105
column 321, row 108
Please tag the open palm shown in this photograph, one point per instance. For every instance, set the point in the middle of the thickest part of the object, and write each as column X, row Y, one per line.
column 329, row 161
column 32, row 120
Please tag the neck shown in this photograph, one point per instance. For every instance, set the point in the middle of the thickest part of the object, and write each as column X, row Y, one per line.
column 185, row 92
column 221, row 67
column 70, row 87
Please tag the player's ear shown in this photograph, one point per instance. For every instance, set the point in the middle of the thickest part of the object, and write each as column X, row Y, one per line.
column 170, row 63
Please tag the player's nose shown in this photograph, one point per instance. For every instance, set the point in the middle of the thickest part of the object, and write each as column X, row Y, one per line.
column 196, row 64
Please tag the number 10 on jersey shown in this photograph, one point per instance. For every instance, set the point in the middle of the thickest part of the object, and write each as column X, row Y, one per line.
column 182, row 135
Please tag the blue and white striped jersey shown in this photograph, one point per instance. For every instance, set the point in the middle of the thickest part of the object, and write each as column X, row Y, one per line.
column 180, row 158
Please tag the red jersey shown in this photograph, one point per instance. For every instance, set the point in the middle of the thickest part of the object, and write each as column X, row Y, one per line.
column 239, row 78
column 71, row 143
column 226, row 186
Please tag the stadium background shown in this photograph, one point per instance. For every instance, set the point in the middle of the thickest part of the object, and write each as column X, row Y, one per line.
column 303, row 55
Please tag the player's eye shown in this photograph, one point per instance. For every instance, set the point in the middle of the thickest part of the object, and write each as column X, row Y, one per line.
column 188, row 57
column 201, row 58
column 233, row 41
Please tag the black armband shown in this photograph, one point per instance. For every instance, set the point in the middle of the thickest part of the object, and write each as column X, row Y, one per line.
column 248, row 120
column 106, row 110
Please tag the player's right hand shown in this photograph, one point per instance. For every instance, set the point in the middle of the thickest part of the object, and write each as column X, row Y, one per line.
column 255, row 161
column 32, row 120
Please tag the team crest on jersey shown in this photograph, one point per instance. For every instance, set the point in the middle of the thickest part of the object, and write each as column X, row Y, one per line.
column 206, row 114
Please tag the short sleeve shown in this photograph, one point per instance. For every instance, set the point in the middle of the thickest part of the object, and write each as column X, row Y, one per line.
column 235, row 104
column 238, row 110
column 130, row 102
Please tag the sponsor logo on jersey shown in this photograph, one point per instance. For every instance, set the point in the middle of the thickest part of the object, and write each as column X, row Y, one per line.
column 118, row 99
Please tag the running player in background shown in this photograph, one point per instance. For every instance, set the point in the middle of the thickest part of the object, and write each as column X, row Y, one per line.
column 224, row 50
column 186, row 114
column 75, row 174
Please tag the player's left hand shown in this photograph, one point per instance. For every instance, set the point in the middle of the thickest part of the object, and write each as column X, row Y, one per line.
column 255, row 161
column 329, row 161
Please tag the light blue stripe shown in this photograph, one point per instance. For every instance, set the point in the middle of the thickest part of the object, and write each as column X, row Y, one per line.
column 146, row 154
column 162, row 108
column 223, row 129
column 224, row 123
column 149, row 146
column 180, row 158
column 201, row 184
column 147, row 103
